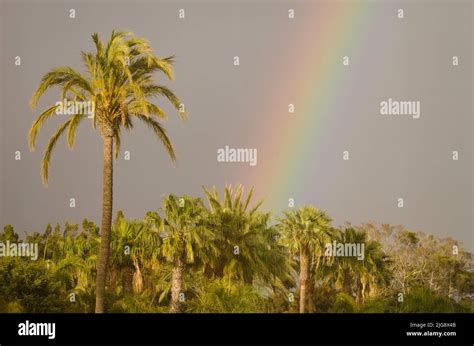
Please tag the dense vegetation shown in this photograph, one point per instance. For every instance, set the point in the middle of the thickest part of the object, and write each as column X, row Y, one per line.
column 225, row 255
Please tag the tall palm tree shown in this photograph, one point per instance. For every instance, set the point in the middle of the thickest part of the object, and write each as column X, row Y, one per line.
column 118, row 83
column 305, row 232
column 184, row 238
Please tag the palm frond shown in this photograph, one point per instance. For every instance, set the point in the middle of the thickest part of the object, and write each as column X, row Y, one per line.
column 49, row 149
column 60, row 76
column 38, row 124
column 161, row 133
column 72, row 128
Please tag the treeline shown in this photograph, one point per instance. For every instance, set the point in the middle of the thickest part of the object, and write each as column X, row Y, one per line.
column 225, row 255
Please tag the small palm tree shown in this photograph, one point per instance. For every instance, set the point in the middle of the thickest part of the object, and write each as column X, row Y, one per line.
column 119, row 85
column 305, row 232
column 139, row 244
column 359, row 277
column 184, row 238
column 248, row 247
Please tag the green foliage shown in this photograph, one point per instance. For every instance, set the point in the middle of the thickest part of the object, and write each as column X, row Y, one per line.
column 259, row 277
column 184, row 237
column 133, row 303
column 380, row 305
column 8, row 234
column 344, row 303
column 29, row 286
column 306, row 228
column 357, row 277
column 421, row 299
column 224, row 296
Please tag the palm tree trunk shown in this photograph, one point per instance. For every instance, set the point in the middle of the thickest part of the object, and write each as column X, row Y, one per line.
column 106, row 223
column 309, row 294
column 347, row 282
column 304, row 266
column 137, row 281
column 127, row 279
column 176, row 286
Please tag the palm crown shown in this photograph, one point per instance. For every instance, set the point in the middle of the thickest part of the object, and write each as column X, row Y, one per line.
column 119, row 83
column 307, row 228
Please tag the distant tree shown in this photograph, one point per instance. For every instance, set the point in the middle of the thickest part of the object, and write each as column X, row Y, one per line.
column 224, row 296
column 28, row 286
column 9, row 234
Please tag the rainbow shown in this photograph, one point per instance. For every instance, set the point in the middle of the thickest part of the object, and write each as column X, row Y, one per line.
column 290, row 142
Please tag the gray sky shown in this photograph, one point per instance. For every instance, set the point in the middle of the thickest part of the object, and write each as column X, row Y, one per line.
column 407, row 59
